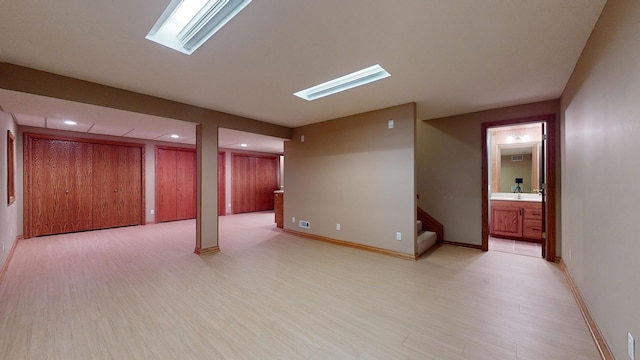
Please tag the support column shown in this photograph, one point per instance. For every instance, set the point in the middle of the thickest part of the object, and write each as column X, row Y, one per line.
column 207, row 189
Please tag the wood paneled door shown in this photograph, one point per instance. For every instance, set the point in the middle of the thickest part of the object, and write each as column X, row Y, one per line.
column 175, row 183
column 58, row 186
column 76, row 184
column 222, row 172
column 254, row 179
column 117, row 185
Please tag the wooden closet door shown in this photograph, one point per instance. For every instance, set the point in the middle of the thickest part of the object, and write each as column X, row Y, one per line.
column 222, row 172
column 105, row 186
column 166, row 183
column 185, row 185
column 59, row 184
column 46, row 187
column 78, row 180
column 117, row 185
column 266, row 182
column 129, row 185
column 243, row 183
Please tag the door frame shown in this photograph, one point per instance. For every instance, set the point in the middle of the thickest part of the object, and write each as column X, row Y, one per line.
column 549, row 249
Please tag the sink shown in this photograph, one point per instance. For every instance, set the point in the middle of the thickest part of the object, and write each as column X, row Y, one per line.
column 516, row 197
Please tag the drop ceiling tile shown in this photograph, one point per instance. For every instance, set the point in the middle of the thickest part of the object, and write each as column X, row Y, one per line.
column 144, row 134
column 167, row 137
column 58, row 124
column 109, row 130
column 29, row 120
column 191, row 141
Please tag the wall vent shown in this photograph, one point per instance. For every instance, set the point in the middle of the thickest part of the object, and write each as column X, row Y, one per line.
column 304, row 224
column 517, row 157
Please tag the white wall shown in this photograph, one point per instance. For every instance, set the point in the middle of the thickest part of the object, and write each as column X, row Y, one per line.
column 601, row 173
column 8, row 213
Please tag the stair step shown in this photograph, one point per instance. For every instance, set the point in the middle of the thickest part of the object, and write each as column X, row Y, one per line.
column 419, row 226
column 426, row 239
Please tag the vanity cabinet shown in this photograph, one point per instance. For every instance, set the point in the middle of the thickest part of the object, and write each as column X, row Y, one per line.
column 516, row 219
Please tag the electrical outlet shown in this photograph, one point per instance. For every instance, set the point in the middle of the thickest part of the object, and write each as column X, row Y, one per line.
column 337, row 226
column 301, row 138
column 569, row 253
column 631, row 347
column 398, row 236
column 390, row 124
column 152, row 211
column 293, row 219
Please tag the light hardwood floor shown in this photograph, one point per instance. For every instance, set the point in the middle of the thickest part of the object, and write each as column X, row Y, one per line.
column 141, row 293
column 515, row 247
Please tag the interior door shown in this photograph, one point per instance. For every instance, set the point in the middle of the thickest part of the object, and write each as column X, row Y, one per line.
column 222, row 171
column 543, row 186
column 266, row 182
column 59, row 192
column 166, row 183
column 105, row 186
column 243, row 183
column 185, row 185
column 129, row 185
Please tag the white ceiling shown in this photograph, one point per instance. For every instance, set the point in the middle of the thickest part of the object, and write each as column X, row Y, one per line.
column 450, row 57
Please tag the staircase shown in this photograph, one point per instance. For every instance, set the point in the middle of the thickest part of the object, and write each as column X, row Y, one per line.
column 426, row 239
column 429, row 231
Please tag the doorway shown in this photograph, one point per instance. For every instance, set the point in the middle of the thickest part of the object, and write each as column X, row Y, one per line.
column 518, row 204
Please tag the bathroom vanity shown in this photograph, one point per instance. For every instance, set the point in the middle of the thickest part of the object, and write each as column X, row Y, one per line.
column 515, row 218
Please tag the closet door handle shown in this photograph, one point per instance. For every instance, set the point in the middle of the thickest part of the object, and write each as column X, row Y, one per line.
column 66, row 191
column 115, row 190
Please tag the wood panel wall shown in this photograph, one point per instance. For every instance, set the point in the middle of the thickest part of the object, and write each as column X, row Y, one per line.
column 74, row 184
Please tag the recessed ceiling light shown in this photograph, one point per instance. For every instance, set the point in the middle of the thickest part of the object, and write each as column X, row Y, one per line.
column 70, row 122
column 174, row 136
column 186, row 24
column 358, row 78
column 244, row 145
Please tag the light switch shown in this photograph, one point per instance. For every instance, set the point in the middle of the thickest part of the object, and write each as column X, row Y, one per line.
column 390, row 124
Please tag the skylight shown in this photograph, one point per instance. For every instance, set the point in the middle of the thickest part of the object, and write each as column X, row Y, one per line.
column 358, row 78
column 186, row 24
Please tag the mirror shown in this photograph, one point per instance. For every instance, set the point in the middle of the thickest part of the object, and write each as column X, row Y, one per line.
column 515, row 153
column 518, row 161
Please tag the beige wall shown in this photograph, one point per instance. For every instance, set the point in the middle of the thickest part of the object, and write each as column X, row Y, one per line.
column 601, row 204
column 449, row 167
column 9, row 229
column 356, row 172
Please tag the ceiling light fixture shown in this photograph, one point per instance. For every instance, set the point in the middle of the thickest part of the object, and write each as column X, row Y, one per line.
column 70, row 122
column 358, row 78
column 174, row 136
column 186, row 24
column 244, row 145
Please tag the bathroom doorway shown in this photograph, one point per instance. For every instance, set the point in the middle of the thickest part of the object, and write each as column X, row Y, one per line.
column 518, row 186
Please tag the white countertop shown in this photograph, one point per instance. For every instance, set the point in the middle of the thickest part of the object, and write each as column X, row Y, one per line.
column 515, row 197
